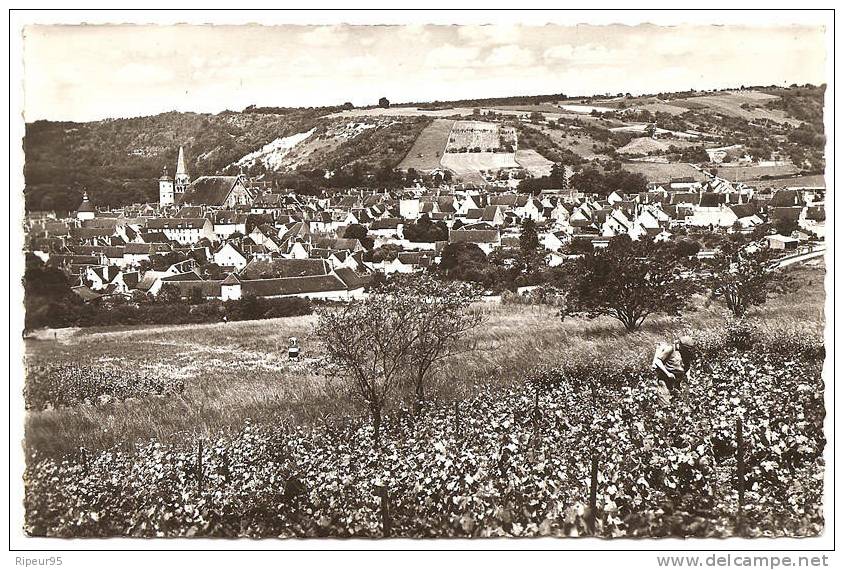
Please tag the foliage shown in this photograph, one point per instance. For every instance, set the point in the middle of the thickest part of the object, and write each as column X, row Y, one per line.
column 440, row 321
column 425, row 230
column 529, row 245
column 742, row 277
column 628, row 281
column 592, row 181
column 67, row 384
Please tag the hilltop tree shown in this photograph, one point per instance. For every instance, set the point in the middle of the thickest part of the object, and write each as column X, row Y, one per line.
column 742, row 277
column 384, row 103
column 627, row 281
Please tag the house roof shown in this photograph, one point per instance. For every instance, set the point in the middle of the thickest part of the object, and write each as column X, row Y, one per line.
column 177, row 223
column 473, row 236
column 711, row 199
column 785, row 213
column 352, row 279
column 292, row 285
column 209, row 190
column 283, row 267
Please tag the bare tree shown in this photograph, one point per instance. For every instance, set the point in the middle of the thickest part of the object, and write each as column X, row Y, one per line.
column 369, row 341
column 442, row 316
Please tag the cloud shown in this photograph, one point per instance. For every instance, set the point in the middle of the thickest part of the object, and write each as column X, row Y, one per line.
column 325, row 36
column 452, row 56
column 503, row 56
column 489, row 35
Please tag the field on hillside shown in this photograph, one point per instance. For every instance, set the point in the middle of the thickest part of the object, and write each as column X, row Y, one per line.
column 664, row 172
column 533, row 162
column 645, row 145
column 469, row 165
column 730, row 104
column 797, row 181
column 487, row 137
column 425, row 153
column 401, row 112
column 754, row 172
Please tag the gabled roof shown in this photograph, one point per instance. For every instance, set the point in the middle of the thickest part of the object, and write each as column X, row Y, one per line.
column 292, row 285
column 177, row 223
column 209, row 190
column 283, row 267
column 351, row 279
column 473, row 236
column 711, row 199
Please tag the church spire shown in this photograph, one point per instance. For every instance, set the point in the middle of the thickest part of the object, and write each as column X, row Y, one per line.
column 180, row 165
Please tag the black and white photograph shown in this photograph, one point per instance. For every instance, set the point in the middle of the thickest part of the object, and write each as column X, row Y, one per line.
column 408, row 277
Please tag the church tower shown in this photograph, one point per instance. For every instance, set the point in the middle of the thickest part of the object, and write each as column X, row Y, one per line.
column 165, row 189
column 182, row 177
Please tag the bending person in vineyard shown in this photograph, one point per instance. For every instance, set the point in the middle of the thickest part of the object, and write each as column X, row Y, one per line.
column 672, row 363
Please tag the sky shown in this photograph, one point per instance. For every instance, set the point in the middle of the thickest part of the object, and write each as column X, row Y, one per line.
column 91, row 72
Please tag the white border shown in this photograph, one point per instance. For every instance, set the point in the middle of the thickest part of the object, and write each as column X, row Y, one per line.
column 643, row 559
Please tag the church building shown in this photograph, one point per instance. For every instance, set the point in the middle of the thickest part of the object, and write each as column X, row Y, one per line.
column 171, row 189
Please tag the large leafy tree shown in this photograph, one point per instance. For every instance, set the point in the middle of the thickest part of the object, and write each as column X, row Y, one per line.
column 628, row 281
column 742, row 276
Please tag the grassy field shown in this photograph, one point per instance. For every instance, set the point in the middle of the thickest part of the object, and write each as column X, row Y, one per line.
column 657, row 172
column 533, row 162
column 237, row 371
column 425, row 153
column 741, row 173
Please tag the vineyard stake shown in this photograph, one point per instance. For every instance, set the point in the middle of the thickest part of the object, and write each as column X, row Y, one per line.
column 386, row 524
column 740, row 476
column 536, row 418
column 593, row 495
column 456, row 418
column 199, row 466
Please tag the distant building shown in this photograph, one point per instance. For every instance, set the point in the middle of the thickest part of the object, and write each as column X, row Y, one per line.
column 170, row 189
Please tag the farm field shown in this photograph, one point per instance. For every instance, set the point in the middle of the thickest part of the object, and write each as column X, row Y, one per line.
column 755, row 172
column 401, row 112
column 576, row 141
column 816, row 180
column 488, row 137
column 644, row 145
column 664, row 171
column 469, row 165
column 534, row 163
column 425, row 153
column 730, row 104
